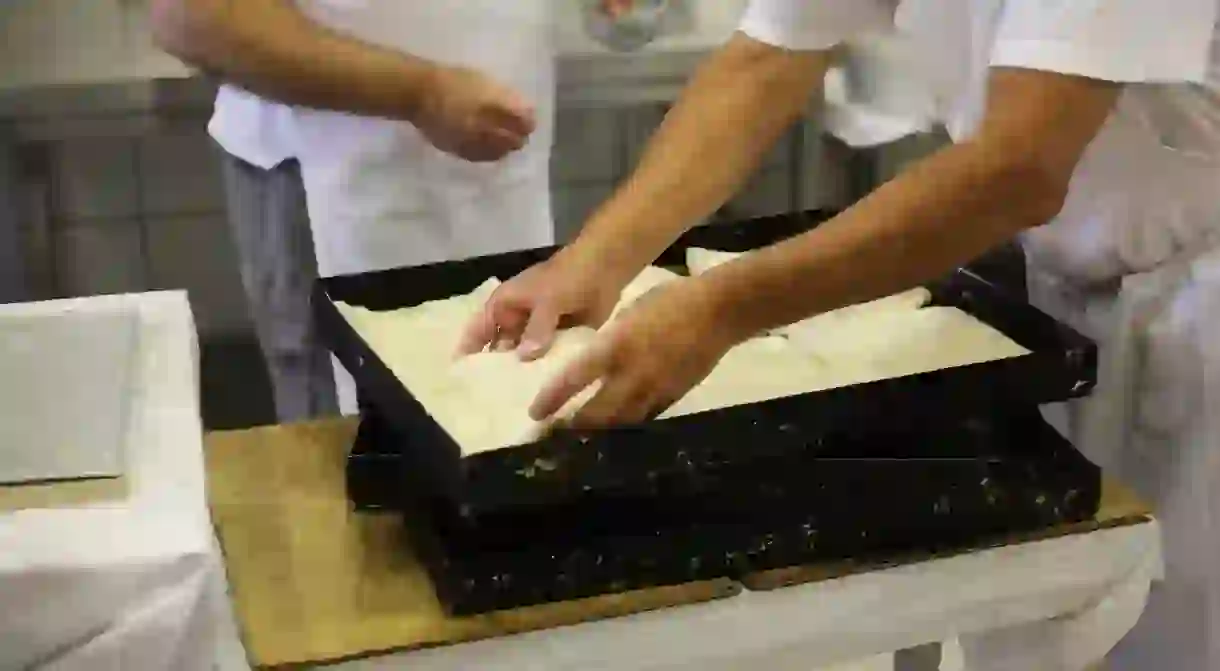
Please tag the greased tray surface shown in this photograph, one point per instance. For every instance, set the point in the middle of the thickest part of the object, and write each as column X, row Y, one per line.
column 1062, row 365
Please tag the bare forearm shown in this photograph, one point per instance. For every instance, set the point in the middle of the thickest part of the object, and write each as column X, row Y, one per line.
column 941, row 213
column 270, row 48
column 732, row 112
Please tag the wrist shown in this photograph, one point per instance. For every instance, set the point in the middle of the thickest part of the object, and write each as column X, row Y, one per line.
column 418, row 82
column 717, row 318
column 609, row 262
column 729, row 305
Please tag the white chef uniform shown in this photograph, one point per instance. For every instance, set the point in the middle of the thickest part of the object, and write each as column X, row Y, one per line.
column 378, row 194
column 1133, row 259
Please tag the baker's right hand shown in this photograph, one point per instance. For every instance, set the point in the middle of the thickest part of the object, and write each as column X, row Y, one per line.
column 470, row 115
column 525, row 312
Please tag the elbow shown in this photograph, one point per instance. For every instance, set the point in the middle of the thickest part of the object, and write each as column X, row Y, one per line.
column 775, row 78
column 187, row 29
column 1043, row 191
column 1032, row 190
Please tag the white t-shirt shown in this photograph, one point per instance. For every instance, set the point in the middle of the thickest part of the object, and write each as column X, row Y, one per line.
column 379, row 195
column 1145, row 189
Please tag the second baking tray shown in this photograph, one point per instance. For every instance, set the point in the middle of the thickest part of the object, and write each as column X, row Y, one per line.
column 894, row 493
column 1061, row 365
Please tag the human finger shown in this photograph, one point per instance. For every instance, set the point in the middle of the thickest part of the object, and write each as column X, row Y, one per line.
column 583, row 371
column 539, row 332
column 622, row 399
column 487, row 145
column 512, row 113
column 509, row 326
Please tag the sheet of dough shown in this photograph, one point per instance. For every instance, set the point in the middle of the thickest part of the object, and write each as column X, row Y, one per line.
column 482, row 400
column 879, row 345
column 885, row 338
column 699, row 261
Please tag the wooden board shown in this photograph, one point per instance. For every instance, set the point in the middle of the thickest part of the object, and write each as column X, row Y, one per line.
column 1119, row 507
column 313, row 582
column 65, row 494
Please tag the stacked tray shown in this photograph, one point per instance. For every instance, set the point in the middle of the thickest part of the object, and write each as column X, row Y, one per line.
column 953, row 456
column 865, row 497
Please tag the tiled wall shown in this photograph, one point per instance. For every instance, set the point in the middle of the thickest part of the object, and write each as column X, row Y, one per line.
column 138, row 211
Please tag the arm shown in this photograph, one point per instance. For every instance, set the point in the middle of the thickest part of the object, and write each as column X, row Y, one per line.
column 270, row 48
column 734, row 109
column 940, row 213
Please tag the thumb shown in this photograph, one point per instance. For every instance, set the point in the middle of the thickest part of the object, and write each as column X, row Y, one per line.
column 539, row 333
column 512, row 112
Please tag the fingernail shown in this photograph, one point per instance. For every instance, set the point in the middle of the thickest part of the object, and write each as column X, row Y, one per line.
column 529, row 348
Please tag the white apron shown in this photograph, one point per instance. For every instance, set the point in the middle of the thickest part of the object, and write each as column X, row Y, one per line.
column 1133, row 260
column 379, row 196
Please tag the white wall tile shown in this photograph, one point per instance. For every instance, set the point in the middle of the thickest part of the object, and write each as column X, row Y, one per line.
column 95, row 178
column 586, row 146
column 180, row 174
column 573, row 203
column 99, row 257
column 195, row 253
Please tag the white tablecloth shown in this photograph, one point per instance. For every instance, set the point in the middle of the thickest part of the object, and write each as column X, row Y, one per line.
column 1055, row 605
column 127, row 585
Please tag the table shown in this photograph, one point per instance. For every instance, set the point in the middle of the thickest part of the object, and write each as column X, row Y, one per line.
column 314, row 583
column 116, row 574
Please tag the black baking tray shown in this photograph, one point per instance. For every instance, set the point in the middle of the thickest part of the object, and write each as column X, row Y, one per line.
column 1062, row 365
column 979, row 480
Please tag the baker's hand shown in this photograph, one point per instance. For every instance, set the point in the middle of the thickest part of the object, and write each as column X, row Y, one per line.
column 525, row 312
column 648, row 358
column 468, row 114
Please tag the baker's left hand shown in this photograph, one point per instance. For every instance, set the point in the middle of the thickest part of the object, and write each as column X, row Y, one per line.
column 646, row 359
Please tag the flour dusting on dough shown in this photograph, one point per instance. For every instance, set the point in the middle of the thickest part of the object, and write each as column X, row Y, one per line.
column 483, row 400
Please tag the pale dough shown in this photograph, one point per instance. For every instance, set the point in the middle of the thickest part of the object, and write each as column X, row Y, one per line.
column 699, row 261
column 880, row 345
column 482, row 400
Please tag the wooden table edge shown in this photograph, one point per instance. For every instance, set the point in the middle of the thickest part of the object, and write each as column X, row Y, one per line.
column 686, row 594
